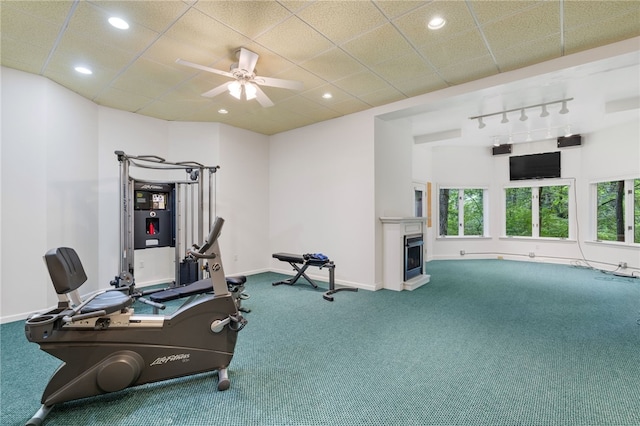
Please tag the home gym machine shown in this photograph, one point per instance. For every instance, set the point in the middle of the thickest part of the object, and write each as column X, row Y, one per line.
column 156, row 213
column 105, row 347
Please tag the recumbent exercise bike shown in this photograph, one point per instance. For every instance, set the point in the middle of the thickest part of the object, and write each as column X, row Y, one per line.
column 106, row 347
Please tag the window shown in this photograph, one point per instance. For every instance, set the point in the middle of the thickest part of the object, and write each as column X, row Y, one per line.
column 462, row 212
column 618, row 211
column 537, row 211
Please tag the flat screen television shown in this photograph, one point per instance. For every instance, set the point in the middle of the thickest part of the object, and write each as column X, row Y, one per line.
column 535, row 166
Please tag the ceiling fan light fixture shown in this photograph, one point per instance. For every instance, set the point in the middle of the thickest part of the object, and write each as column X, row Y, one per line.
column 250, row 91
column 235, row 89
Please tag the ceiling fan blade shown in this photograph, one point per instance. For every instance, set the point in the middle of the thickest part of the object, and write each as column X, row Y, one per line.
column 203, row 68
column 278, row 82
column 216, row 91
column 262, row 98
column 247, row 60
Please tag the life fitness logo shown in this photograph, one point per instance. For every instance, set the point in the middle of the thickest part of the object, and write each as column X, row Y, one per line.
column 171, row 358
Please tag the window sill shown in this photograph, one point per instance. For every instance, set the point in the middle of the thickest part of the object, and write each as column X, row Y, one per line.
column 617, row 244
column 549, row 239
column 463, row 237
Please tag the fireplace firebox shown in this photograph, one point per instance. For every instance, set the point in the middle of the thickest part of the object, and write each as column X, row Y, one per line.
column 413, row 256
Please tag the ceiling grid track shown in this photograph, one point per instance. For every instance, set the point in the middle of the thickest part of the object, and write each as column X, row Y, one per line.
column 484, row 38
column 60, row 35
column 142, row 52
column 561, row 5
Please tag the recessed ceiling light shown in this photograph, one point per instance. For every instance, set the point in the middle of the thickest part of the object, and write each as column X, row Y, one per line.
column 223, row 111
column 327, row 96
column 119, row 23
column 436, row 23
column 83, row 70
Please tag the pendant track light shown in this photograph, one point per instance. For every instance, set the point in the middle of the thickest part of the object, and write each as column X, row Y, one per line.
column 523, row 115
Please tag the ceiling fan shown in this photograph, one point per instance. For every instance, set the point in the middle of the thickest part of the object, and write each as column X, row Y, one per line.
column 245, row 79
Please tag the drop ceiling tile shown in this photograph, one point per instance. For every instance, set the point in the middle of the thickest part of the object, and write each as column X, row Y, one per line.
column 52, row 11
column 404, row 68
column 424, row 83
column 28, row 29
column 250, row 18
column 91, row 22
column 414, row 25
column 382, row 97
column 22, row 56
column 122, row 100
column 194, row 87
column 361, row 83
column 528, row 53
column 341, row 21
column 459, row 48
column 308, row 79
column 153, row 15
column 294, row 40
column 85, row 85
column 473, row 69
column 607, row 13
column 332, row 65
column 136, row 79
column 337, row 95
column 600, row 33
column 492, row 11
column 299, row 104
column 521, row 27
column 202, row 32
column 76, row 50
column 379, row 45
column 350, row 106
column 166, row 50
column 295, row 5
column 393, row 9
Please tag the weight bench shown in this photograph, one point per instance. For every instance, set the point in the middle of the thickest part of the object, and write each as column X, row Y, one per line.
column 234, row 284
column 306, row 260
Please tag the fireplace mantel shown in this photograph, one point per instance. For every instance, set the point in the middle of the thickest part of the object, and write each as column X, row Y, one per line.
column 394, row 229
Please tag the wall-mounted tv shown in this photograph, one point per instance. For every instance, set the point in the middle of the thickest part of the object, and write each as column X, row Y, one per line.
column 535, row 166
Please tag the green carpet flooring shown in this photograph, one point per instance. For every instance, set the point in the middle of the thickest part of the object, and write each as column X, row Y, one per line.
column 487, row 342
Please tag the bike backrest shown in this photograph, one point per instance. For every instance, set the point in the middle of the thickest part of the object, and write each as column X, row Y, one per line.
column 65, row 269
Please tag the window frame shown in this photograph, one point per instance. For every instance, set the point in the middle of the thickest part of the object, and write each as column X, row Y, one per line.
column 535, row 208
column 485, row 210
column 629, row 206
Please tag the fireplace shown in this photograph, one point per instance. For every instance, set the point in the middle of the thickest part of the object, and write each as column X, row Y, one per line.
column 403, row 254
column 413, row 256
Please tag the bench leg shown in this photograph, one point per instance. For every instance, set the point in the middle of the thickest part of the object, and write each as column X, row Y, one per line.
column 292, row 281
column 332, row 285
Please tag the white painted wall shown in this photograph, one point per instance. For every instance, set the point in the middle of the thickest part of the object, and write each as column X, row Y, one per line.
column 60, row 187
column 321, row 190
column 49, row 191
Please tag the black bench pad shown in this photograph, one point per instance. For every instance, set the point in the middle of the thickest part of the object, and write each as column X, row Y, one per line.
column 297, row 258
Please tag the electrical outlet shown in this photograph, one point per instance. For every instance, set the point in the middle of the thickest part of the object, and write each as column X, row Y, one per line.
column 622, row 265
column 461, row 252
column 142, row 264
column 235, row 257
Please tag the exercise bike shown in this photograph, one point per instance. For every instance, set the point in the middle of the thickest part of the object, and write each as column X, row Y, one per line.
column 106, row 347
